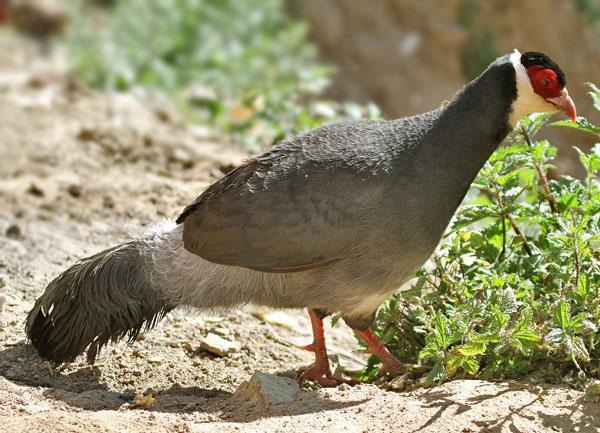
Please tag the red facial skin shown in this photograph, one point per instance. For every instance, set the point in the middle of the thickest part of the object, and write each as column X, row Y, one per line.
column 544, row 81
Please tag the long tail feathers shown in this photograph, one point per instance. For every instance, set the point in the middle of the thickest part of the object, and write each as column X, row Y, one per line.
column 104, row 297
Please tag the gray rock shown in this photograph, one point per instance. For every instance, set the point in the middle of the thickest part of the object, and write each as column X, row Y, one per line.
column 267, row 389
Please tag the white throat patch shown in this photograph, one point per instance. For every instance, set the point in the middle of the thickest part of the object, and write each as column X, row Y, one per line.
column 527, row 101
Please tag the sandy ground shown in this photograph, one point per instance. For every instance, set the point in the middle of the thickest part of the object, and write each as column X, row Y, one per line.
column 80, row 171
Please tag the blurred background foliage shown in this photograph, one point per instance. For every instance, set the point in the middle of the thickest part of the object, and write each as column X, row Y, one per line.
column 260, row 70
column 591, row 10
column 245, row 68
column 480, row 50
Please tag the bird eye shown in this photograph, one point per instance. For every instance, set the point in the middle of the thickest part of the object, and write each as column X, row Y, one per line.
column 544, row 81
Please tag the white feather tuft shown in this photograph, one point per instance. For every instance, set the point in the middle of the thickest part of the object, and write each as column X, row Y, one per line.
column 527, row 101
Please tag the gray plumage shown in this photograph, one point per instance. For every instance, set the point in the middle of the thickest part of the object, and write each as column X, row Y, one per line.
column 100, row 298
column 333, row 220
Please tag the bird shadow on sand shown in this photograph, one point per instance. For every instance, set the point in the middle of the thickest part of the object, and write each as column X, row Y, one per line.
column 82, row 388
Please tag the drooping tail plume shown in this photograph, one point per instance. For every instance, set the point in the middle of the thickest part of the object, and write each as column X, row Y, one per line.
column 104, row 297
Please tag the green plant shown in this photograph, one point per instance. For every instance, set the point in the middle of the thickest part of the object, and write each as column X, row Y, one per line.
column 242, row 67
column 514, row 285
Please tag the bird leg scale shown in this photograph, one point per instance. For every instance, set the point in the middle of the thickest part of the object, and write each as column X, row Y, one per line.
column 320, row 372
column 375, row 347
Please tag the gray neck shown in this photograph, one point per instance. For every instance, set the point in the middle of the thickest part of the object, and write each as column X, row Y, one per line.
column 460, row 138
column 469, row 130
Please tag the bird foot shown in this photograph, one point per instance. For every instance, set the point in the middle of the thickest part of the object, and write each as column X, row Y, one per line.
column 324, row 377
column 391, row 364
column 320, row 372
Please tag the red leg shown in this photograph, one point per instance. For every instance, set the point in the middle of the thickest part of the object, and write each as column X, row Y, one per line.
column 390, row 363
column 319, row 372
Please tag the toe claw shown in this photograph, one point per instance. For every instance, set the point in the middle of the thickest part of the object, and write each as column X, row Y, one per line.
column 309, row 347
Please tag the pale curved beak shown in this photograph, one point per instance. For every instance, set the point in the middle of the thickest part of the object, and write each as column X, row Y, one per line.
column 565, row 103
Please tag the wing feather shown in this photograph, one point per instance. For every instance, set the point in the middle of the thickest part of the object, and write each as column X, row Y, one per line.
column 284, row 211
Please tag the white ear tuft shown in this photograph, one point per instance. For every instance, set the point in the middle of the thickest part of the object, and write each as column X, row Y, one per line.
column 527, row 101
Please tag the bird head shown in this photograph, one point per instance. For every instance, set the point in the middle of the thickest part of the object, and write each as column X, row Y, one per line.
column 541, row 86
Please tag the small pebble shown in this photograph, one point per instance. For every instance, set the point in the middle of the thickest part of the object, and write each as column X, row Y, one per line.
column 35, row 190
column 188, row 347
column 399, row 383
column 155, row 360
column 275, row 317
column 13, row 231
column 141, row 401
column 74, row 191
column 344, row 387
column 218, row 345
column 88, row 135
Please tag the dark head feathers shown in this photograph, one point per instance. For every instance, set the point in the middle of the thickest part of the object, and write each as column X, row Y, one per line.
column 532, row 58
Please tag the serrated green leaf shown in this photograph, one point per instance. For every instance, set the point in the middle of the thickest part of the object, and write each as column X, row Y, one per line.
column 576, row 348
column 527, row 339
column 527, row 335
column 534, row 122
column 595, row 95
column 441, row 330
column 506, row 151
column 453, row 362
column 472, row 348
column 470, row 366
column 556, row 335
column 562, row 314
column 582, row 124
column 576, row 322
column 437, row 373
column 429, row 352
column 485, row 338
